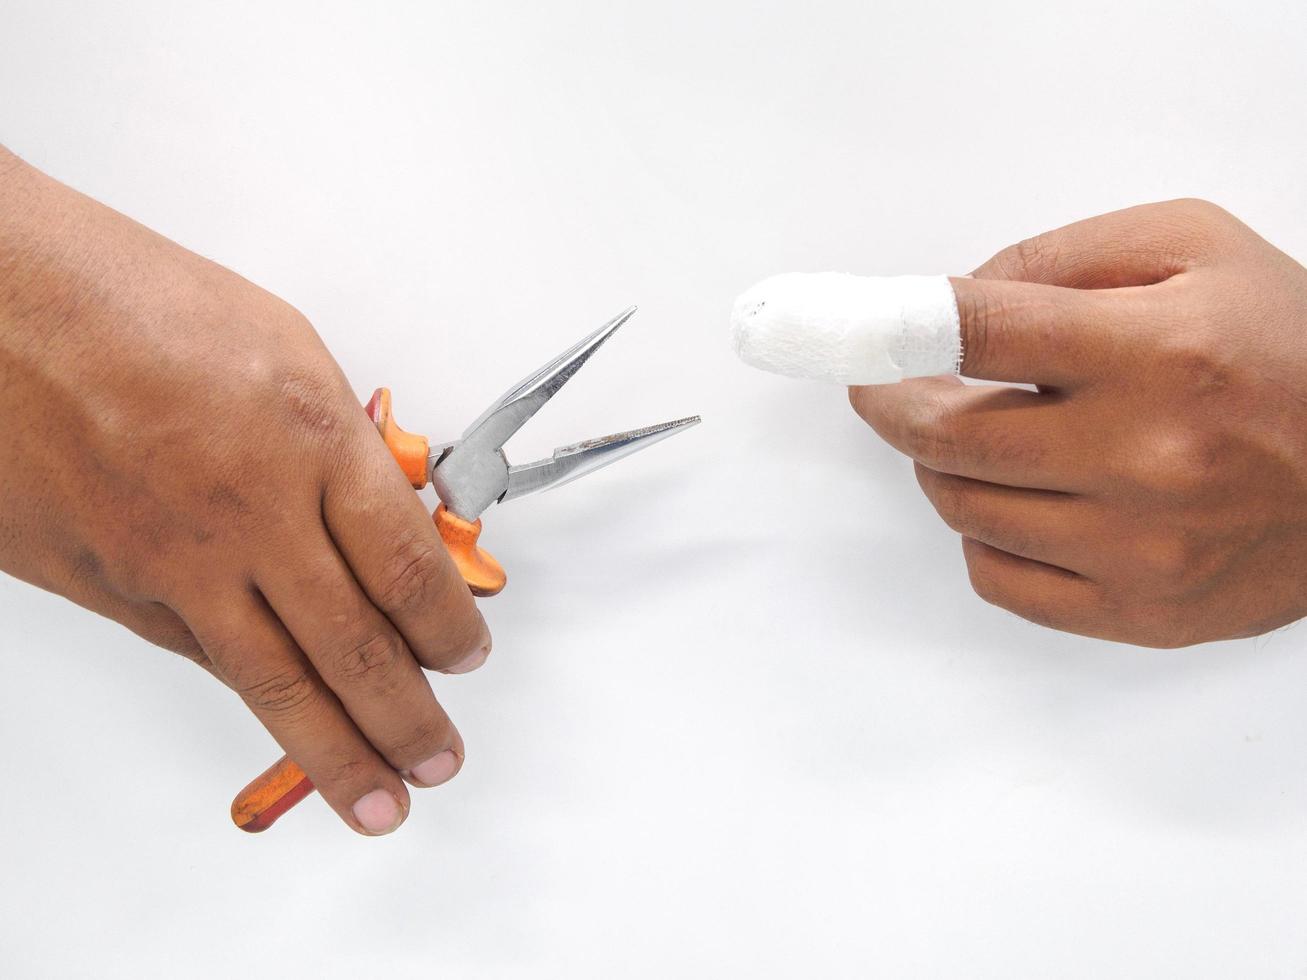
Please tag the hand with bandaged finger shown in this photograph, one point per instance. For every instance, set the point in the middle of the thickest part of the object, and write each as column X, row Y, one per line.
column 1153, row 488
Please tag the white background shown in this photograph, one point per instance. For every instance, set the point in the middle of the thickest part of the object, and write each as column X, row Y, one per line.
column 744, row 717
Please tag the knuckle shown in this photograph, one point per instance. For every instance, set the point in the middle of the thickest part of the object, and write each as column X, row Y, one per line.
column 190, row 649
column 1190, row 365
column 422, row 740
column 167, row 632
column 344, row 772
column 284, row 693
column 1176, row 565
column 310, row 402
column 1032, row 259
column 1054, row 610
column 930, row 433
column 981, row 574
column 367, row 660
column 1160, row 625
column 1026, row 261
column 1198, row 210
column 413, row 574
column 1181, row 465
column 965, row 511
column 858, row 399
column 978, row 313
column 1170, row 638
column 1195, row 226
column 951, row 501
column 1165, row 562
column 1042, row 612
column 181, row 641
column 1007, row 264
column 1043, row 608
column 1195, row 358
column 874, row 404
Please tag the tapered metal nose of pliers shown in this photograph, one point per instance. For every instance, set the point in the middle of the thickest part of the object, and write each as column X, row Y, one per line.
column 471, row 474
column 570, row 463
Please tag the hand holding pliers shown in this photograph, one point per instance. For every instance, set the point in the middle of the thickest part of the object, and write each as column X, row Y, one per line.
column 469, row 474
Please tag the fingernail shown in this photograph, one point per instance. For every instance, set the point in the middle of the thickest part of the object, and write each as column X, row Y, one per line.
column 472, row 662
column 440, row 768
column 378, row 812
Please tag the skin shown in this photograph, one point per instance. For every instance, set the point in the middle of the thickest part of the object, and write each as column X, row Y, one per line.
column 181, row 454
column 1153, row 490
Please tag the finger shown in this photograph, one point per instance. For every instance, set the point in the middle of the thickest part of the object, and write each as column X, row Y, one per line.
column 1136, row 246
column 1046, row 335
column 259, row 660
column 1042, row 525
column 389, row 541
column 1048, row 596
column 1000, row 435
column 364, row 661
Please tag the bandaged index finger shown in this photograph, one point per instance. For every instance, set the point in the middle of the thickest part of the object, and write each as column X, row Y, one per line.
column 868, row 330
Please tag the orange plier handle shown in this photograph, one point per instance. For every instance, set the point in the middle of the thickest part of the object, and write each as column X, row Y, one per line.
column 284, row 784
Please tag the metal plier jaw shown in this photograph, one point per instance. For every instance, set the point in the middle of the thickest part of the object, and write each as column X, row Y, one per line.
column 472, row 472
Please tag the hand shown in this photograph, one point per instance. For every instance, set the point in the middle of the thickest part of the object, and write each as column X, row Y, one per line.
column 181, row 454
column 1154, row 489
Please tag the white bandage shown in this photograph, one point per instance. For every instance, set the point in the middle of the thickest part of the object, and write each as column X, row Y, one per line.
column 854, row 330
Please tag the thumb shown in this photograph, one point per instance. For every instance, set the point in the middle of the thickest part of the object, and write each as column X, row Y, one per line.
column 1036, row 334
